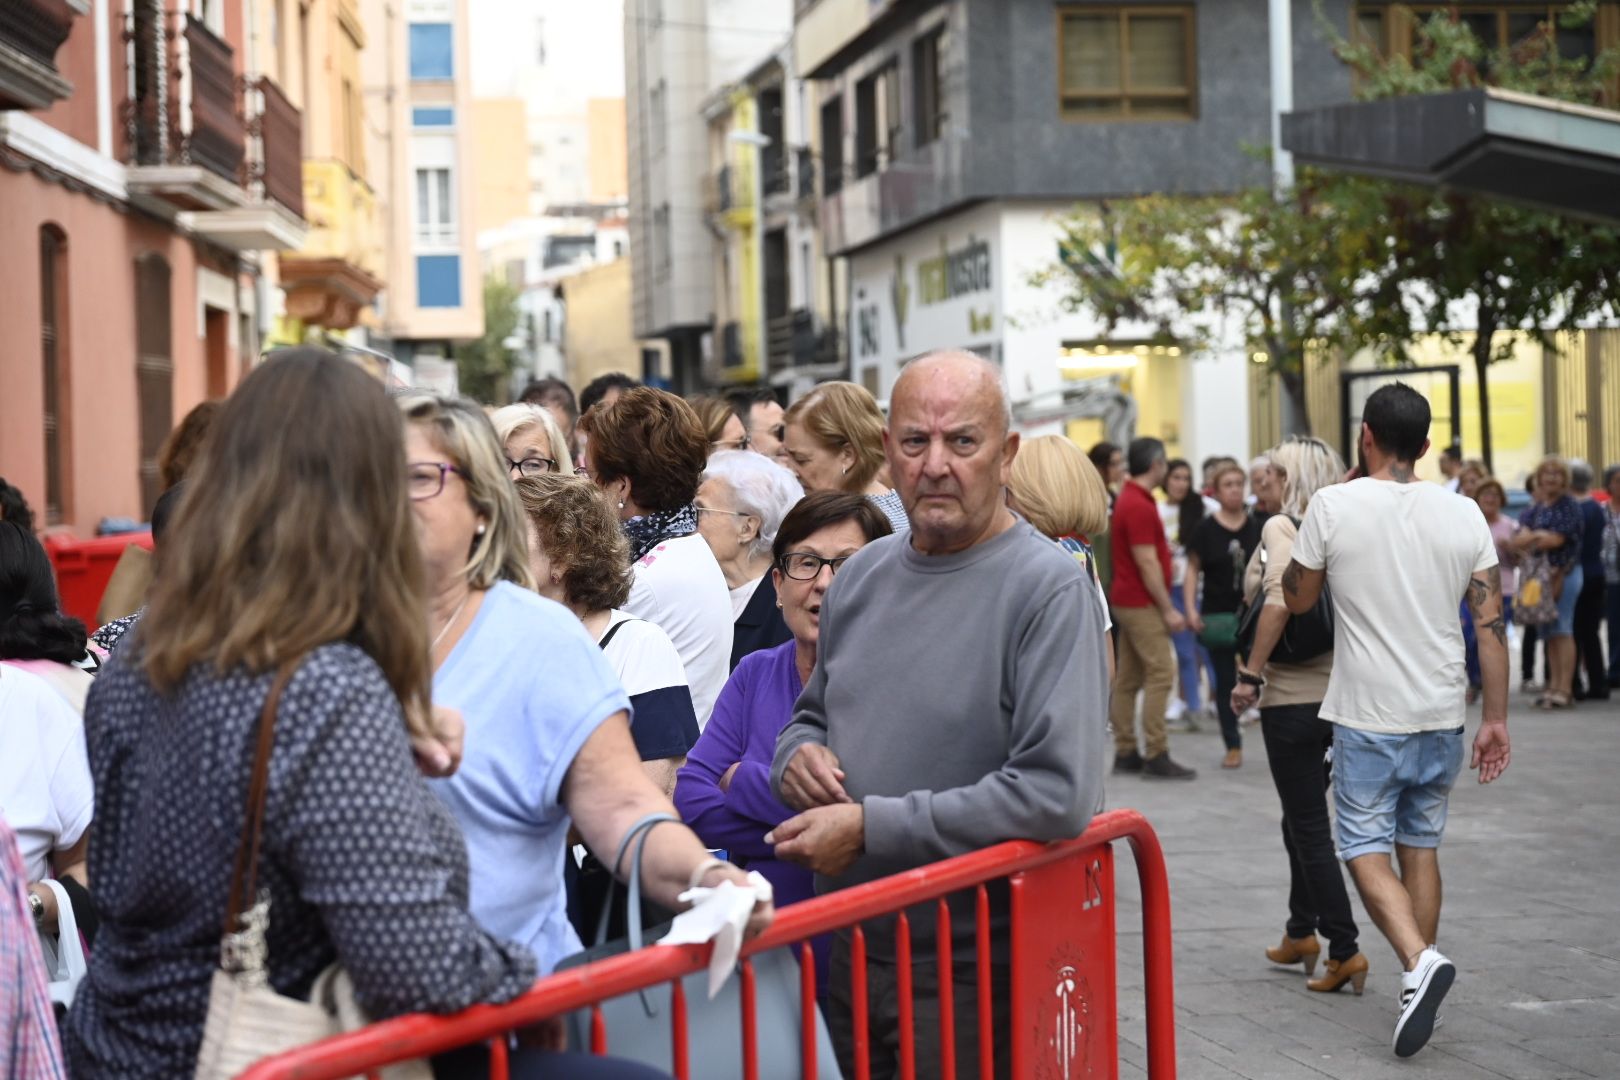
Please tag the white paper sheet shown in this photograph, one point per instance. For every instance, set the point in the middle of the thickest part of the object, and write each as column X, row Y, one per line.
column 719, row 915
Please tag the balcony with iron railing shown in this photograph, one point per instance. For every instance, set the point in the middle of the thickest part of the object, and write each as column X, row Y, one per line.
column 223, row 150
column 31, row 32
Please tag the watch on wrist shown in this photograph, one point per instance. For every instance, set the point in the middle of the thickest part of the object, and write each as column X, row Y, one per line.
column 36, row 905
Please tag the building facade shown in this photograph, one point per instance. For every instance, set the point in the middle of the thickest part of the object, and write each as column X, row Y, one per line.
column 149, row 157
column 419, row 149
column 678, row 53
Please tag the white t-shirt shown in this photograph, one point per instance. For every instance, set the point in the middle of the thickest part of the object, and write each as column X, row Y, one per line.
column 741, row 595
column 1398, row 560
column 46, row 794
column 679, row 586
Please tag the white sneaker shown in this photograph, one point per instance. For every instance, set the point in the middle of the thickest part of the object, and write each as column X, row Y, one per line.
column 1175, row 710
column 1250, row 716
column 1422, row 990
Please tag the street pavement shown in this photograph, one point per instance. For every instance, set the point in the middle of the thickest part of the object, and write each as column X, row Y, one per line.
column 1531, row 918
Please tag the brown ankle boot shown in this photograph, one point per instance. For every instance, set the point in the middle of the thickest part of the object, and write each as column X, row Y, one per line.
column 1294, row 950
column 1352, row 971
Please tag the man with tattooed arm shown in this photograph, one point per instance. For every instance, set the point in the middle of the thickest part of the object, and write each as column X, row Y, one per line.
column 1400, row 555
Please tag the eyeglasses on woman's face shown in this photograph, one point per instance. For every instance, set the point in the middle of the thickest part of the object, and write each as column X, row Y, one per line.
column 742, row 442
column 806, row 565
column 717, row 510
column 530, row 466
column 425, row 479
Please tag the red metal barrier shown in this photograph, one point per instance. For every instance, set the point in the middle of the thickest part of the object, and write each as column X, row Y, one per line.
column 1063, row 1003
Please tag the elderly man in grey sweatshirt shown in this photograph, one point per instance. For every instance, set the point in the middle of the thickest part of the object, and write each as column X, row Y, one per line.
column 960, row 699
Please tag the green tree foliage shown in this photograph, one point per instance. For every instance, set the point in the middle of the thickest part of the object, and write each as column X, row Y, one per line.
column 1300, row 273
column 484, row 367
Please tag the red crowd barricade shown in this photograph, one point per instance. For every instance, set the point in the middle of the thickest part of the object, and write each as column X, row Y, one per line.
column 1063, row 1004
column 83, row 568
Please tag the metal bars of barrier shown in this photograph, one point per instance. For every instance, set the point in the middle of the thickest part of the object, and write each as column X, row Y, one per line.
column 1062, row 999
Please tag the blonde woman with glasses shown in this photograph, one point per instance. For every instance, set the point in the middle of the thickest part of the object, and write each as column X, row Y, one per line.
column 548, row 740
column 531, row 441
column 1297, row 738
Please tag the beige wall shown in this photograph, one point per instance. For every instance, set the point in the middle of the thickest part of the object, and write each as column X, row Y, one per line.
column 609, row 163
column 500, row 161
column 598, row 338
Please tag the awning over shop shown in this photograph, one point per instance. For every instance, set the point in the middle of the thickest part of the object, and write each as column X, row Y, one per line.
column 1532, row 150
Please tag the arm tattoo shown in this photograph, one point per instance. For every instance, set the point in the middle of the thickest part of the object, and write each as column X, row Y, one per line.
column 1290, row 578
column 1477, row 591
column 1481, row 587
column 1498, row 626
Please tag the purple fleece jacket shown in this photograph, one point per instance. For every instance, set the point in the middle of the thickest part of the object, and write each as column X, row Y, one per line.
column 752, row 710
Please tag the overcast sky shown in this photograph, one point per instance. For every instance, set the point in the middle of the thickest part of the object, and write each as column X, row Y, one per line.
column 584, row 45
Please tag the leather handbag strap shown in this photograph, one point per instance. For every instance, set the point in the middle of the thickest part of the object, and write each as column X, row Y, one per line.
column 637, row 835
column 245, row 872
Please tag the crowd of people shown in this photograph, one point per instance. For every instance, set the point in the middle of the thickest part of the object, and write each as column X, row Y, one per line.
column 417, row 668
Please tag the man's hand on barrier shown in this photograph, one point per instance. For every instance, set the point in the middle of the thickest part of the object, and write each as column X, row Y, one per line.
column 813, row 778
column 1491, row 751
column 827, row 839
column 438, row 753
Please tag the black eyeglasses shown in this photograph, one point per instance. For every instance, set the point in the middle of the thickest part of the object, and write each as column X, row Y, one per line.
column 425, row 479
column 806, row 565
column 534, row 466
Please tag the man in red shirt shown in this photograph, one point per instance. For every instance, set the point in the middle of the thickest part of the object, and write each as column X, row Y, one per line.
column 1145, row 617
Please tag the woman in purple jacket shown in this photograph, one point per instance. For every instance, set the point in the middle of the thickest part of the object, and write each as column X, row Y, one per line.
column 724, row 789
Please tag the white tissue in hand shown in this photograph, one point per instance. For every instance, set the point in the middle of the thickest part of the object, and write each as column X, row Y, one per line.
column 719, row 915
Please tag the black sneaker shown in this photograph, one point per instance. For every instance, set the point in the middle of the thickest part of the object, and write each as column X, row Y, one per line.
column 1162, row 768
column 1127, row 763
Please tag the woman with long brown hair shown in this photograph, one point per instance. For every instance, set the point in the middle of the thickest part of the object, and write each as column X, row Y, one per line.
column 293, row 563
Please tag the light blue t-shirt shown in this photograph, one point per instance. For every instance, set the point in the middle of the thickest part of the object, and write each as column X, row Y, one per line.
column 532, row 686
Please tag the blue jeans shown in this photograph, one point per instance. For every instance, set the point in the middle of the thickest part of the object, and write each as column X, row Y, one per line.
column 1190, row 655
column 1392, row 789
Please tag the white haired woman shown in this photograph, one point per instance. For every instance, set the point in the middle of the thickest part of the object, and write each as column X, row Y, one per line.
column 740, row 505
column 1296, row 736
column 548, row 740
column 531, row 440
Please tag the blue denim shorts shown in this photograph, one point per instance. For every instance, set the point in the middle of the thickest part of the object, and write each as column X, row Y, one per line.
column 1574, row 580
column 1392, row 789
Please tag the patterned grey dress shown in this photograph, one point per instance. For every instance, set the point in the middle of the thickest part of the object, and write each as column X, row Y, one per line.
column 362, row 863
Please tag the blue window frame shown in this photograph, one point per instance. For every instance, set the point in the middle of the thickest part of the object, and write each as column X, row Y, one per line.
column 433, row 116
column 432, row 51
column 438, row 281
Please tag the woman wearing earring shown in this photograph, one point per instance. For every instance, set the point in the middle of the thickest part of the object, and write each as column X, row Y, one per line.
column 648, row 450
column 834, row 442
column 740, row 506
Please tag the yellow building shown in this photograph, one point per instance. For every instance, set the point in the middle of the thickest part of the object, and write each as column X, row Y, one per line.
column 609, row 166
column 333, row 279
column 501, row 161
column 597, row 336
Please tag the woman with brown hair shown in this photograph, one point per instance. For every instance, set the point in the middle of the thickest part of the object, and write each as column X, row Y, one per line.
column 647, row 451
column 834, row 442
column 293, row 562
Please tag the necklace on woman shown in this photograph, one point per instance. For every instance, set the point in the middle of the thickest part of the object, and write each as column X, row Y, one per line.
column 452, row 622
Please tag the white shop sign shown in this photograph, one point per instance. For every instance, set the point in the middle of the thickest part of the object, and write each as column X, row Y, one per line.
column 937, row 288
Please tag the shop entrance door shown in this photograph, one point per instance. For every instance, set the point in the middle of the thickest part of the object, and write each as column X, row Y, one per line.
column 1441, row 384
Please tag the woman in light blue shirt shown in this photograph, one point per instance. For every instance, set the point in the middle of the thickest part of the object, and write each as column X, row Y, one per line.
column 547, row 724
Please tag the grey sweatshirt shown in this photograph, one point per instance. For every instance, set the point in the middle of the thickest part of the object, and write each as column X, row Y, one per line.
column 965, row 695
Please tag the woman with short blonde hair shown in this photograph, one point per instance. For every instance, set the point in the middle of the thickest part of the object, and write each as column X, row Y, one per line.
column 834, row 442
column 533, row 443
column 1304, row 466
column 1057, row 488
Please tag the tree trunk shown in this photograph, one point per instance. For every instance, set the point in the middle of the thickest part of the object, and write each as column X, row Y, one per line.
column 1296, row 420
column 1483, row 339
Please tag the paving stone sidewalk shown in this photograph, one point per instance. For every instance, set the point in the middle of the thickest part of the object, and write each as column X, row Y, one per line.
column 1531, row 866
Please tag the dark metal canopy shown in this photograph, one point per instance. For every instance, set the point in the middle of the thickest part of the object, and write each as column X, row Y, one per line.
column 1549, row 154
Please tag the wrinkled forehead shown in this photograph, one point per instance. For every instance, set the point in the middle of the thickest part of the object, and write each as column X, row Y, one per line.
column 942, row 403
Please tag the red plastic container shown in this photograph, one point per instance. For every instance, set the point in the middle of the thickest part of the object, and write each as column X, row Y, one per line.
column 84, row 566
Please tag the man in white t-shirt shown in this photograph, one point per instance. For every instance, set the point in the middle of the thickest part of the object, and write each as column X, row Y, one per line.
column 1400, row 555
